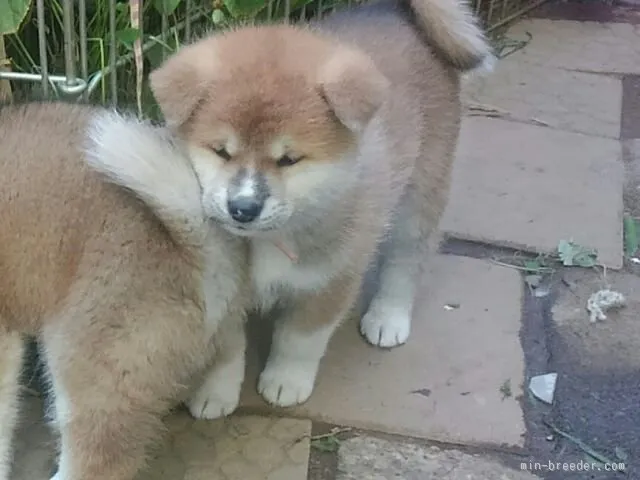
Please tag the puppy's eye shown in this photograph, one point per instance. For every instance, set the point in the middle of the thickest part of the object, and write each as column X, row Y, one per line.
column 287, row 161
column 222, row 153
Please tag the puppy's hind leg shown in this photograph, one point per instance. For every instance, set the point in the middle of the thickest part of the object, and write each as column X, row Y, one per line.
column 387, row 322
column 11, row 358
column 115, row 372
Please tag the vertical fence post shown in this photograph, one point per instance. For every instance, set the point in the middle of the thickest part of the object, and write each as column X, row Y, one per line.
column 164, row 25
column 69, row 44
column 5, row 85
column 84, row 65
column 187, row 25
column 287, row 11
column 42, row 47
column 113, row 55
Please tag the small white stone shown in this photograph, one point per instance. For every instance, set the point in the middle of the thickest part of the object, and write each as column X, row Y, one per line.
column 543, row 387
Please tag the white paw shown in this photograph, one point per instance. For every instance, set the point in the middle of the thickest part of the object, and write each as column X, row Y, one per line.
column 213, row 402
column 384, row 329
column 287, row 383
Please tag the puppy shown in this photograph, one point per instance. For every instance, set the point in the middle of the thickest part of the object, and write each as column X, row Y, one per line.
column 106, row 256
column 321, row 144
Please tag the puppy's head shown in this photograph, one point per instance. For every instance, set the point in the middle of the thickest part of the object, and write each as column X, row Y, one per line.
column 272, row 117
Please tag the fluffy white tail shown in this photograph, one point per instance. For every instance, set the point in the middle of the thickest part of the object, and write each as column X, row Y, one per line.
column 452, row 28
column 152, row 164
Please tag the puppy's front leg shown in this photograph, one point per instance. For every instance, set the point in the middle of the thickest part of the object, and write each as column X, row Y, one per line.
column 300, row 340
column 219, row 394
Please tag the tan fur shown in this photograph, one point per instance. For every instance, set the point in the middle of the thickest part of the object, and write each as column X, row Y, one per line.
column 453, row 30
column 370, row 113
column 117, row 289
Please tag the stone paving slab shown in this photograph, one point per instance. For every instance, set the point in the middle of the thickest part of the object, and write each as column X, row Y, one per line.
column 568, row 100
column 630, row 121
column 528, row 187
column 587, row 46
column 379, row 459
column 238, row 448
column 620, row 11
column 450, row 382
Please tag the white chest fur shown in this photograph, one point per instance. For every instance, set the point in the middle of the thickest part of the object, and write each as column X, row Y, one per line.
column 220, row 280
column 274, row 272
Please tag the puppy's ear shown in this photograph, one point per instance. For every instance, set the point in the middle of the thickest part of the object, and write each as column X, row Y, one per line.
column 183, row 81
column 353, row 87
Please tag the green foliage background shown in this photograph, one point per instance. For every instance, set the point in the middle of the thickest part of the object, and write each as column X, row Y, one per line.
column 18, row 23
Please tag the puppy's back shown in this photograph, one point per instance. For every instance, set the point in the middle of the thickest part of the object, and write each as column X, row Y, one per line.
column 61, row 223
column 424, row 111
column 424, row 88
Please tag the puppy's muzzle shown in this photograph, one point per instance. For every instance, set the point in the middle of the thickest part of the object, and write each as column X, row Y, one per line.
column 244, row 209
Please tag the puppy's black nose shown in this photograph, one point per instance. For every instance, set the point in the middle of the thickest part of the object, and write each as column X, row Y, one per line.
column 244, row 209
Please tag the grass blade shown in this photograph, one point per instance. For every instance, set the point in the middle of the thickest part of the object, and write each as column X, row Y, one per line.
column 630, row 236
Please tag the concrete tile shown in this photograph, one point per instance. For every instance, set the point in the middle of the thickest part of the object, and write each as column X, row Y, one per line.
column 380, row 459
column 587, row 46
column 630, row 120
column 567, row 100
column 530, row 187
column 623, row 11
column 238, row 448
column 445, row 383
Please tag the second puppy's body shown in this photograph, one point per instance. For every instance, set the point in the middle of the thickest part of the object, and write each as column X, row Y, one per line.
column 131, row 293
column 318, row 144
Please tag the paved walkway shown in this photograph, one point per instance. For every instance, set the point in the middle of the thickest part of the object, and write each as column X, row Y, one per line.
column 544, row 151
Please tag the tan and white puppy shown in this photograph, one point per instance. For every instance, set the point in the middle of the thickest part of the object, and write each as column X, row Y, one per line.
column 107, row 258
column 318, row 144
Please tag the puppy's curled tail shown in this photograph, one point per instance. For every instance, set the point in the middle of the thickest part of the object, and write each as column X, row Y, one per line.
column 148, row 161
column 451, row 28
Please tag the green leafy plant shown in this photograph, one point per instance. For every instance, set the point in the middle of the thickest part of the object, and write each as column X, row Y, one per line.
column 162, row 31
column 166, row 7
column 631, row 240
column 244, row 9
column 12, row 14
column 568, row 253
column 328, row 444
column 573, row 254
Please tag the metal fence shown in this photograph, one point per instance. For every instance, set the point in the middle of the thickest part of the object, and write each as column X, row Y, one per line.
column 77, row 78
column 68, row 83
